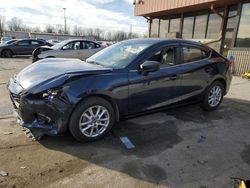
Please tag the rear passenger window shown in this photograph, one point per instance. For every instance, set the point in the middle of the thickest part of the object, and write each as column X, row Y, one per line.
column 191, row 54
column 23, row 43
column 33, row 42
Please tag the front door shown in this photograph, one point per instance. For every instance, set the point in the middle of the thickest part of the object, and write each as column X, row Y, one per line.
column 22, row 47
column 156, row 89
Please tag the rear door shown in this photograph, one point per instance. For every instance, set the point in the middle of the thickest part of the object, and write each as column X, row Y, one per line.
column 33, row 45
column 195, row 72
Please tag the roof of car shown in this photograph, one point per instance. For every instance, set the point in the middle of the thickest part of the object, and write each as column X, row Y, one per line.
column 71, row 40
column 156, row 40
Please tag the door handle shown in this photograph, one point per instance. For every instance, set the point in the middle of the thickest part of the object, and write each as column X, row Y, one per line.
column 174, row 77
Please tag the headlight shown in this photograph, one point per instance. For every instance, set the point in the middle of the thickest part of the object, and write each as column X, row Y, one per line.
column 51, row 93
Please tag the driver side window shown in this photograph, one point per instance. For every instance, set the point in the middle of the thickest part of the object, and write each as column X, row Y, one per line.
column 166, row 57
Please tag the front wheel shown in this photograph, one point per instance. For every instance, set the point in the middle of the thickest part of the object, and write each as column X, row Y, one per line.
column 92, row 119
column 214, row 96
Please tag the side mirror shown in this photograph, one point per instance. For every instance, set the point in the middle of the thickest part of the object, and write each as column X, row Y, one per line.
column 149, row 66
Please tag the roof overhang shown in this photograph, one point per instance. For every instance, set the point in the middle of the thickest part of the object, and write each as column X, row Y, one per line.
column 157, row 8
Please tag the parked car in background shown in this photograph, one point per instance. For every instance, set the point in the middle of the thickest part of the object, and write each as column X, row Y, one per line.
column 5, row 39
column 74, row 48
column 126, row 79
column 105, row 43
column 9, row 42
column 21, row 47
column 53, row 41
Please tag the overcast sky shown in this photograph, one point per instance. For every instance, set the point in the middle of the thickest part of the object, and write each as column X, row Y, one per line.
column 104, row 14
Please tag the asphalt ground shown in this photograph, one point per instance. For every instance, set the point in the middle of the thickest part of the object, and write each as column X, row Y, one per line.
column 184, row 147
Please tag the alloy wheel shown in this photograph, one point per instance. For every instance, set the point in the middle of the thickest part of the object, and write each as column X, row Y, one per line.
column 94, row 121
column 215, row 96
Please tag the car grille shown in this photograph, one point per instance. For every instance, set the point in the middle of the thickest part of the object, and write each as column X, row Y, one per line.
column 15, row 100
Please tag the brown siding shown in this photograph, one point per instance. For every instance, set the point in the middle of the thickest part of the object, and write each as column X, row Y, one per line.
column 157, row 7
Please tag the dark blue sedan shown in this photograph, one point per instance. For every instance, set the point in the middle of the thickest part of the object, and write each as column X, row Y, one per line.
column 126, row 79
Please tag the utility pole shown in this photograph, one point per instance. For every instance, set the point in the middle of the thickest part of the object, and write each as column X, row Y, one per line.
column 130, row 31
column 65, row 26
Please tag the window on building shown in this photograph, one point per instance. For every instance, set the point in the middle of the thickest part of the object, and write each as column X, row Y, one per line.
column 200, row 25
column 243, row 38
column 214, row 26
column 191, row 54
column 174, row 25
column 188, row 24
column 231, row 26
column 232, row 19
column 154, row 28
column 164, row 28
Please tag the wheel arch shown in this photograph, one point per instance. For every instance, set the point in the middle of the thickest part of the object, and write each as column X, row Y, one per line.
column 223, row 81
column 105, row 97
column 7, row 49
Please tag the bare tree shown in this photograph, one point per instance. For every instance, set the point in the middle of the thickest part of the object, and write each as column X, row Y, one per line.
column 97, row 33
column 25, row 28
column 108, row 36
column 36, row 29
column 59, row 29
column 90, row 32
column 134, row 35
column 49, row 29
column 15, row 24
column 2, row 25
column 120, row 35
column 76, row 30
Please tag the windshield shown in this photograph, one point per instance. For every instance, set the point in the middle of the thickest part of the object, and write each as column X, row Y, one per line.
column 121, row 54
column 11, row 41
column 59, row 45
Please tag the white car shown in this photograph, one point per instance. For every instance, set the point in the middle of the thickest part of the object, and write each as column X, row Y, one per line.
column 76, row 48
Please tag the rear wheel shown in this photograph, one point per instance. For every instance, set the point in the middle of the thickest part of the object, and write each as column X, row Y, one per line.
column 214, row 96
column 92, row 119
column 7, row 53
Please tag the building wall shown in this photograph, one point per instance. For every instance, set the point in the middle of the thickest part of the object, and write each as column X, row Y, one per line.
column 228, row 33
column 153, row 7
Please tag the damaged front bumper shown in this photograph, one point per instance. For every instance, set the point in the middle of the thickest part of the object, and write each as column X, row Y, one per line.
column 38, row 124
column 48, row 115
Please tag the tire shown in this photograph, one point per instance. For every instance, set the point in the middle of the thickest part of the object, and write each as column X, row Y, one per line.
column 7, row 54
column 211, row 100
column 82, row 114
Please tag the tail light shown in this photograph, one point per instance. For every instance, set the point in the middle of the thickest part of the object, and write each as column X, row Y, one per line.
column 230, row 59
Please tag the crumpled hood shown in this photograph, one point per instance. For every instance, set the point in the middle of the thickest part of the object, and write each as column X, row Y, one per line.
column 46, row 69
